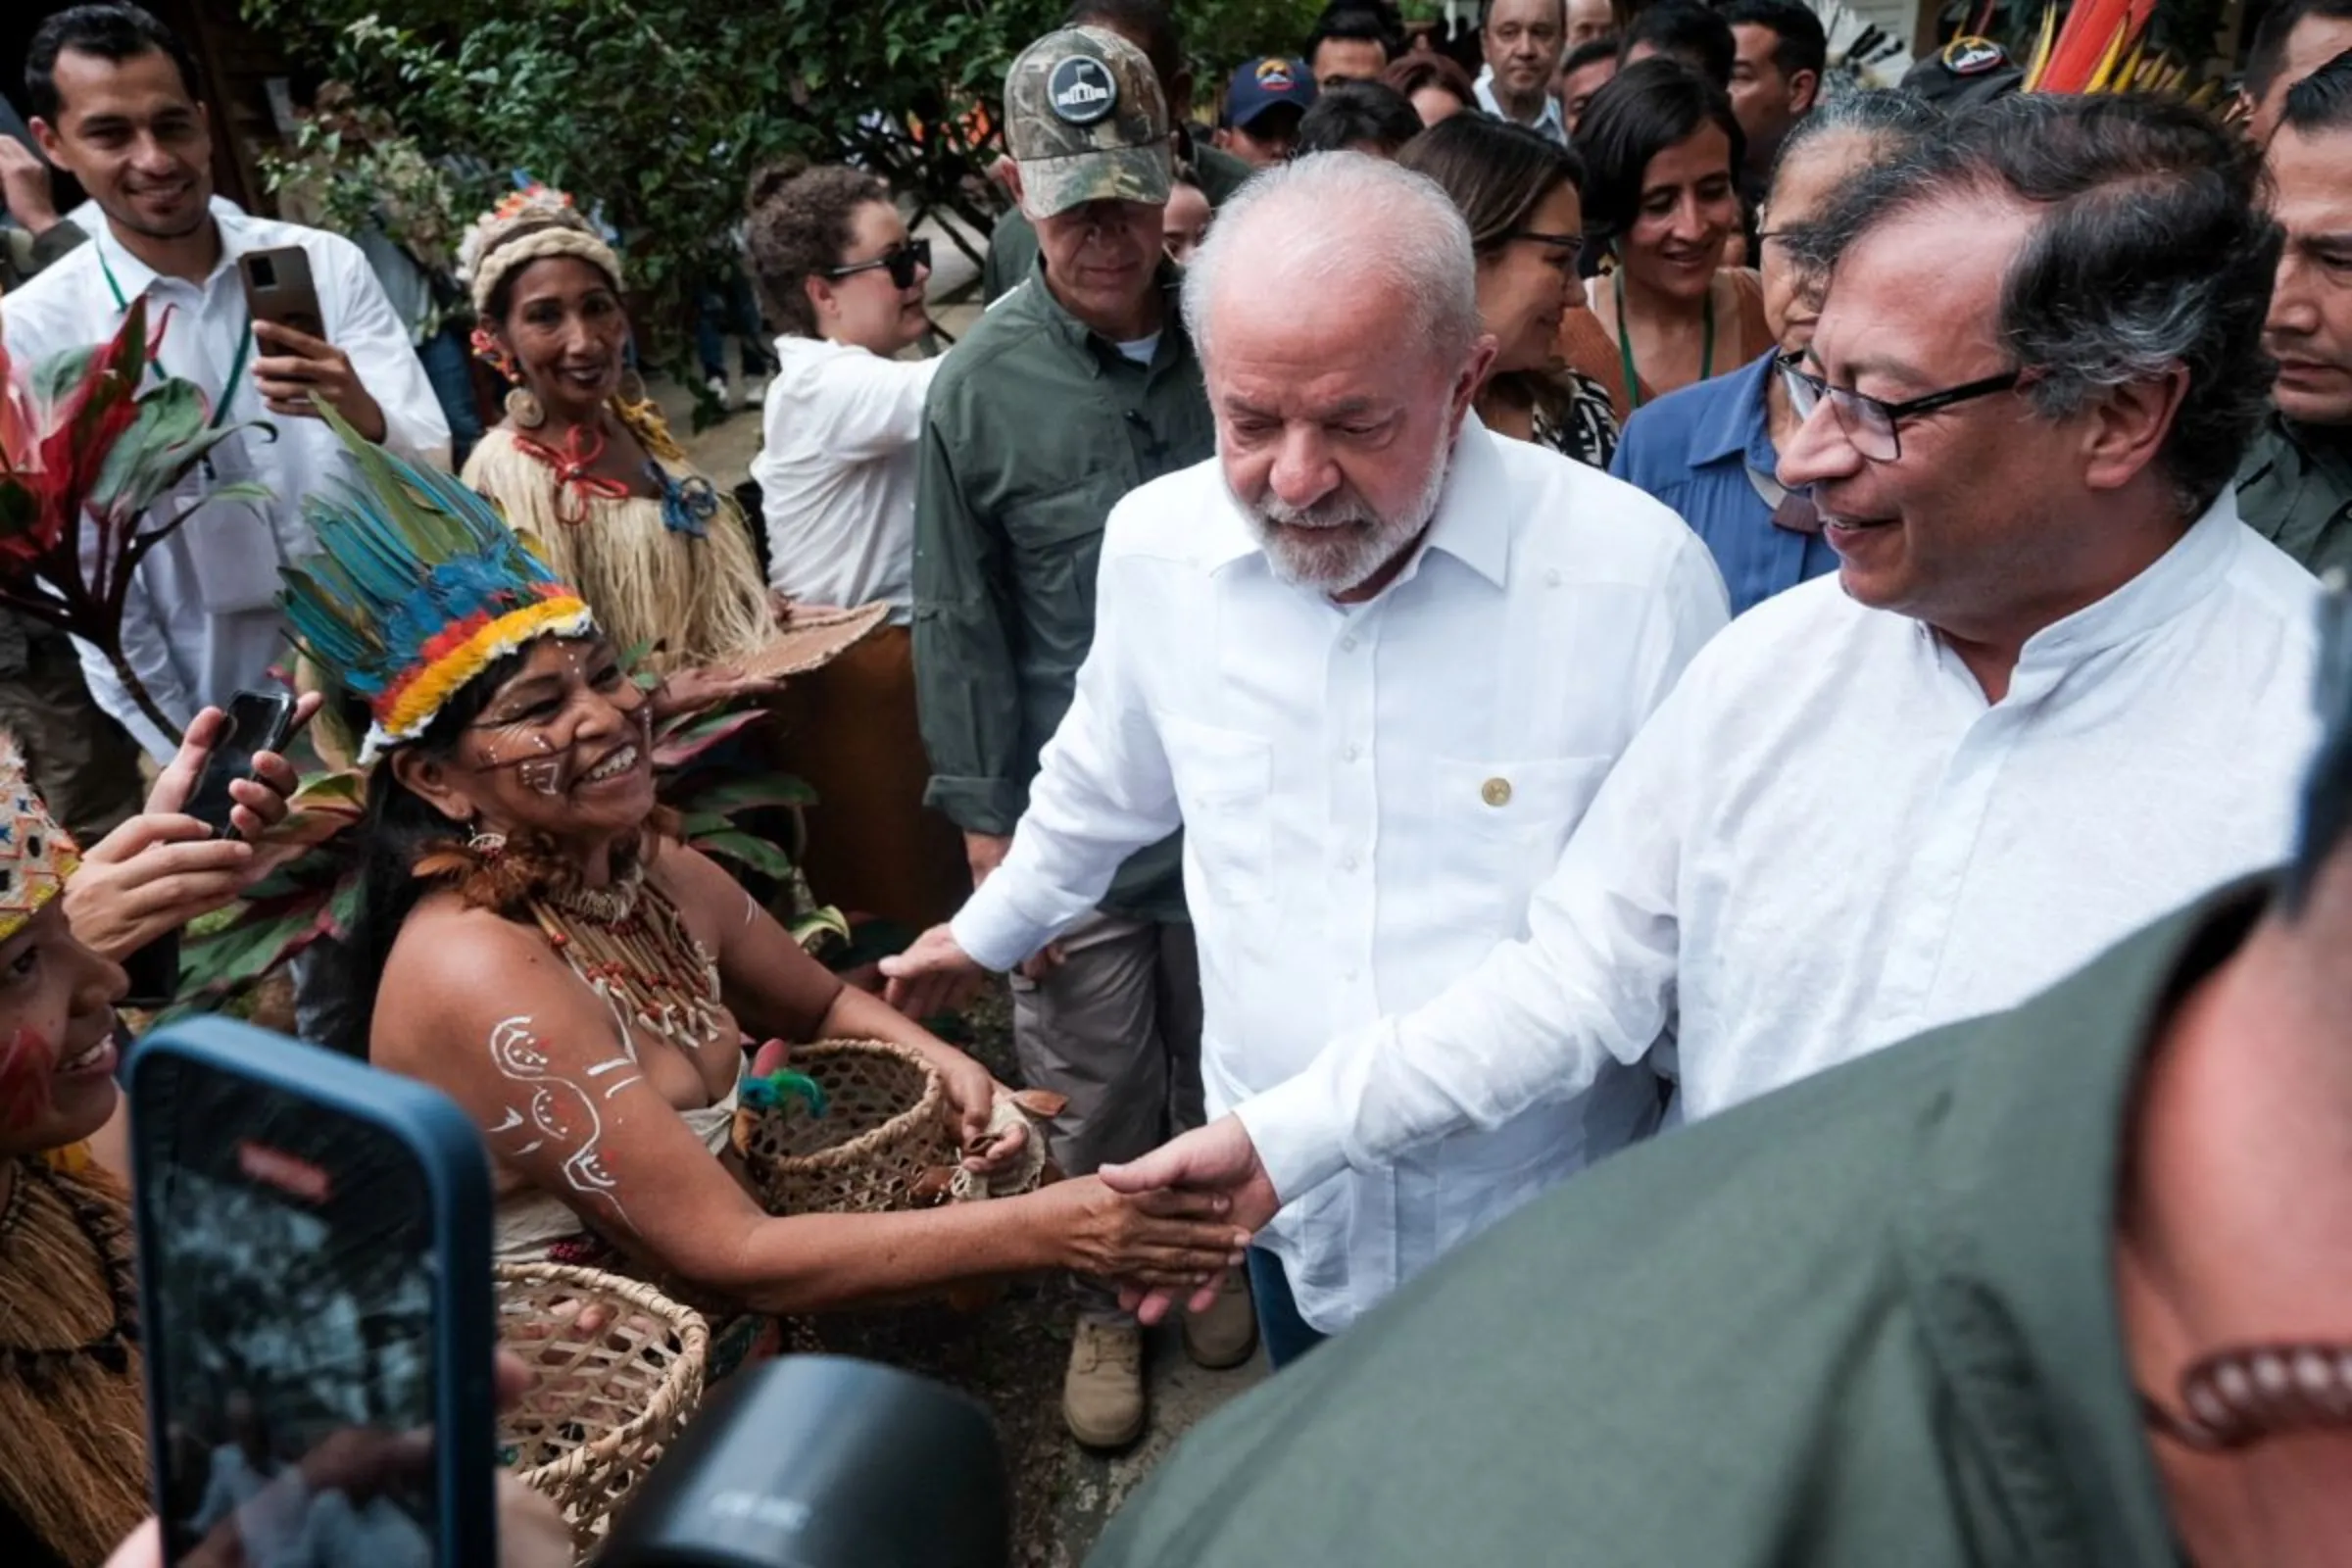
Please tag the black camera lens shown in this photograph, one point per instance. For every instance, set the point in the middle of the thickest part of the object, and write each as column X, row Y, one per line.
column 264, row 273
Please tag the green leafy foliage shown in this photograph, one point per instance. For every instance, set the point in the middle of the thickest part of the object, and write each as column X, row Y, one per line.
column 657, row 111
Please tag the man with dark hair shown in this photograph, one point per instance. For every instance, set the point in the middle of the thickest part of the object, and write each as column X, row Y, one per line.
column 1350, row 43
column 116, row 105
column 1684, row 30
column 1587, row 69
column 2063, row 1285
column 1523, row 40
column 1264, row 103
column 1150, row 25
column 2055, row 687
column 2296, row 489
column 1776, row 78
column 2294, row 38
column 1359, row 117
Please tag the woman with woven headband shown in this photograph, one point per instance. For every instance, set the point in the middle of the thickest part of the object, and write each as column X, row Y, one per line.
column 583, row 464
column 552, row 957
column 71, row 1403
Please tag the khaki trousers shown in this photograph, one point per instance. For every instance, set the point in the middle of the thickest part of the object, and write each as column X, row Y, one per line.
column 1117, row 1029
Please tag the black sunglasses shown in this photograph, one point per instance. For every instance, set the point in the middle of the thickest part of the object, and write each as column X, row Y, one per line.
column 1870, row 422
column 902, row 264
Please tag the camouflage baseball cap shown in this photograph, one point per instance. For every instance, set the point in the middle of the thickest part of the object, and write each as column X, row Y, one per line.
column 1085, row 122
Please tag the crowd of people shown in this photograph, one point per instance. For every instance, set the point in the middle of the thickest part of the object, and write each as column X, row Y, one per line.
column 1438, row 628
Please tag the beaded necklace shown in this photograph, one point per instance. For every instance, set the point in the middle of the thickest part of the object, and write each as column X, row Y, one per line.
column 628, row 943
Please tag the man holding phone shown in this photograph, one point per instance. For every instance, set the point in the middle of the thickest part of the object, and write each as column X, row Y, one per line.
column 114, row 104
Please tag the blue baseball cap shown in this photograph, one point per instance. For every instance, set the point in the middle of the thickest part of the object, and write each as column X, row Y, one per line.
column 1263, row 84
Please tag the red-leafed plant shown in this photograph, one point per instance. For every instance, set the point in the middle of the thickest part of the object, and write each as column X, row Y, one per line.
column 90, row 441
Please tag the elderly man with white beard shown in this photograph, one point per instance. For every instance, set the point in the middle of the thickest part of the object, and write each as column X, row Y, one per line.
column 1375, row 661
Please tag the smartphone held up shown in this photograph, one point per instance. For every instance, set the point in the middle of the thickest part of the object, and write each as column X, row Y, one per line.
column 315, row 1283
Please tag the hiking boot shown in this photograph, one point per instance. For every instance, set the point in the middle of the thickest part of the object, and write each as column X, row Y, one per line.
column 1103, row 1392
column 1226, row 1334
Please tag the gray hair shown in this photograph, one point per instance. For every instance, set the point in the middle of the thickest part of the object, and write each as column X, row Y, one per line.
column 2150, row 252
column 1893, row 122
column 1341, row 218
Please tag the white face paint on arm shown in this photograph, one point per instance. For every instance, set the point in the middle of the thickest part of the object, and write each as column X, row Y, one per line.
column 560, row 1113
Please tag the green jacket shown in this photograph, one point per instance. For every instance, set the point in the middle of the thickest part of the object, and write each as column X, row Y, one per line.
column 1866, row 1322
column 1013, row 243
column 1034, row 430
column 2296, row 490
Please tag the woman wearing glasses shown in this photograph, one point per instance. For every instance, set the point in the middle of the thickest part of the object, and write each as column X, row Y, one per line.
column 1710, row 451
column 1517, row 192
column 584, row 464
column 844, row 280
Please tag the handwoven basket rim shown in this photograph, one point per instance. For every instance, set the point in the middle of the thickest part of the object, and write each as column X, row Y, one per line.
column 926, row 1109
column 658, row 1409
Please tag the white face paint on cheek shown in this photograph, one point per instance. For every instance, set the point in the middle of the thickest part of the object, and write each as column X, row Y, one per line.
column 545, row 776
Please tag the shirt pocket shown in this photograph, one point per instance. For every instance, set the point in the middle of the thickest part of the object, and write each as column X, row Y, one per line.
column 1509, row 819
column 1224, row 781
column 1057, row 538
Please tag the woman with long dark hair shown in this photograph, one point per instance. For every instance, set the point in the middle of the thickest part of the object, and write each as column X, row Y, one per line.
column 554, row 957
column 1661, row 151
column 1518, row 192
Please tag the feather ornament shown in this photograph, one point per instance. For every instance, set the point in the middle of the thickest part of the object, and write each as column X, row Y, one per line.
column 419, row 587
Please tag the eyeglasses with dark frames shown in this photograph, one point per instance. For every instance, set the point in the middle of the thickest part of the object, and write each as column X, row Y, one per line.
column 1573, row 244
column 1872, row 423
column 902, row 263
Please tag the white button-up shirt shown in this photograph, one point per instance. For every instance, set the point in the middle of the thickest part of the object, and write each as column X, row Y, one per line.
column 836, row 470
column 201, row 622
column 1369, row 794
column 1828, row 840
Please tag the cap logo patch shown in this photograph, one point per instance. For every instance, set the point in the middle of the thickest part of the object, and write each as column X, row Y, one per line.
column 1275, row 75
column 1973, row 57
column 1082, row 90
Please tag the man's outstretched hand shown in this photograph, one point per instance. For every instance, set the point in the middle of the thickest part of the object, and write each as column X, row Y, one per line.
column 933, row 976
column 1217, row 1158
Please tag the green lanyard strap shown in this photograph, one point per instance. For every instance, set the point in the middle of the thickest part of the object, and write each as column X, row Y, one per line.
column 236, row 365
column 1625, row 343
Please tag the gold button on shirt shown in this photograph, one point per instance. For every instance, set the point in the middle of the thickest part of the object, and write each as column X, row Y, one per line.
column 1496, row 792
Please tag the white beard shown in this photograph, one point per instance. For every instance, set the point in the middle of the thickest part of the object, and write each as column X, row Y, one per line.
column 1338, row 542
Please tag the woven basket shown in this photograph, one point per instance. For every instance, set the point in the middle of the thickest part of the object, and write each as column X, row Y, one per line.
column 603, row 1406
column 886, row 1127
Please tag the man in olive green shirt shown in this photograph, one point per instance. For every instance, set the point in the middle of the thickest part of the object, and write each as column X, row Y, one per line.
column 2067, row 1285
column 1150, row 25
column 2296, row 486
column 1078, row 387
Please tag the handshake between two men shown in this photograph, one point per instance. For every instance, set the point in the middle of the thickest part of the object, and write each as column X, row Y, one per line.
column 935, row 975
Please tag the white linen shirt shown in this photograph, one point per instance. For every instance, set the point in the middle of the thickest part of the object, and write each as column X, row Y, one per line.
column 201, row 622
column 1369, row 794
column 1828, row 840
column 1548, row 123
column 836, row 470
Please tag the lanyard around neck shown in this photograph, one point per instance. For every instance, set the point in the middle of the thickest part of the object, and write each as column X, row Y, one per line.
column 236, row 365
column 1625, row 343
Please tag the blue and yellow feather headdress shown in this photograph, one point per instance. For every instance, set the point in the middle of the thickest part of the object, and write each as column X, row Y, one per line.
column 419, row 587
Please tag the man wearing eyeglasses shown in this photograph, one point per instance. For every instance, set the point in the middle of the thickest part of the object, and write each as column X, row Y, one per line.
column 2055, row 688
column 1075, row 388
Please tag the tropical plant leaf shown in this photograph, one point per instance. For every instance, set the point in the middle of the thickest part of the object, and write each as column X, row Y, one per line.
column 743, row 849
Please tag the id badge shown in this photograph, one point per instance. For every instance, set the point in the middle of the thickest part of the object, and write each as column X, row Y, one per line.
column 230, row 545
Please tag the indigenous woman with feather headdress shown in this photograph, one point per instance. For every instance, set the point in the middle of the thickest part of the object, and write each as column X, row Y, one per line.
column 583, row 464
column 585, row 983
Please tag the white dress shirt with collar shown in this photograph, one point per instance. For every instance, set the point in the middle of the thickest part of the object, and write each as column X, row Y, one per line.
column 1828, row 840
column 1369, row 794
column 202, row 622
column 836, row 470
column 1550, row 123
